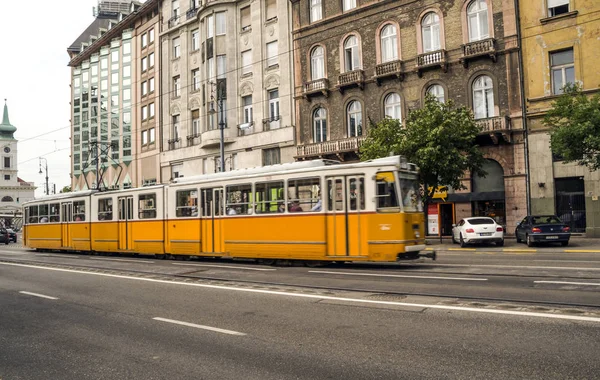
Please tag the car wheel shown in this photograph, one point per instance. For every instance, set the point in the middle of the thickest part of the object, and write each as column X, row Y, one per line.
column 530, row 242
column 517, row 236
column 462, row 241
column 500, row 243
column 564, row 243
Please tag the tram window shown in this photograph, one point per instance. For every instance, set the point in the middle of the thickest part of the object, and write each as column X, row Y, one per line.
column 147, row 206
column 43, row 213
column 357, row 193
column 304, row 194
column 387, row 198
column 207, row 201
column 238, row 199
column 269, row 197
column 33, row 214
column 54, row 212
column 187, row 203
column 410, row 193
column 79, row 211
column 105, row 209
column 336, row 189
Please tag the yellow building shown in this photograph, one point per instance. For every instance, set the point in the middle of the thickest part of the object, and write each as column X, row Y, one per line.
column 560, row 40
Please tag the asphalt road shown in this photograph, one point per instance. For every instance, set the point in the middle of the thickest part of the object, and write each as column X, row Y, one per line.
column 133, row 320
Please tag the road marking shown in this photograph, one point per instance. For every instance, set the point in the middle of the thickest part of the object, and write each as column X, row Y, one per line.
column 508, row 266
column 38, row 295
column 582, row 250
column 398, row 275
column 225, row 266
column 215, row 329
column 462, row 249
column 518, row 250
column 133, row 261
column 566, row 283
column 59, row 256
column 322, row 297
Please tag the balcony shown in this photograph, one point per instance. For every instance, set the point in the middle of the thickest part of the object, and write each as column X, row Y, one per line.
column 351, row 79
column 246, row 129
column 174, row 143
column 496, row 127
column 431, row 60
column 316, row 87
column 193, row 139
column 271, row 123
column 330, row 148
column 477, row 49
column 191, row 13
column 173, row 21
column 387, row 70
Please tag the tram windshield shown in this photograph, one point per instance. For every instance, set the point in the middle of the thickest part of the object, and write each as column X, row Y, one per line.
column 410, row 193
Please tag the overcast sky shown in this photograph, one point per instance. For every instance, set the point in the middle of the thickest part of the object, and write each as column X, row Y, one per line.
column 34, row 78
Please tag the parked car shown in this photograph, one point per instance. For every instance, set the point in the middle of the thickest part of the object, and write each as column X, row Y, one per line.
column 542, row 229
column 12, row 235
column 477, row 230
column 4, row 238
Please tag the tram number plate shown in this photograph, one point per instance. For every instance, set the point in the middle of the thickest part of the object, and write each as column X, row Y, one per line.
column 551, row 237
column 485, row 234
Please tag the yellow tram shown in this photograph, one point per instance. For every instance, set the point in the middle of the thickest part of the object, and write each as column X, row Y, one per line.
column 313, row 211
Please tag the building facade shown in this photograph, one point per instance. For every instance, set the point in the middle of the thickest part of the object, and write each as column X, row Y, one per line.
column 225, row 65
column 359, row 61
column 560, row 42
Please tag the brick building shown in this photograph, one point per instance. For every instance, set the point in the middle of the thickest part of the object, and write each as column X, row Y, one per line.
column 358, row 61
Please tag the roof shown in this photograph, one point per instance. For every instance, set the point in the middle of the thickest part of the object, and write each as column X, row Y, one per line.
column 6, row 128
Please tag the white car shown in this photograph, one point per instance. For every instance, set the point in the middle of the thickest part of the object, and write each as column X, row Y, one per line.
column 477, row 229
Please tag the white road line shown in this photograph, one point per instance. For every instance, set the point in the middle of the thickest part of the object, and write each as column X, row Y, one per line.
column 133, row 261
column 224, row 266
column 59, row 256
column 215, row 329
column 399, row 275
column 38, row 295
column 509, row 266
column 567, row 283
column 322, row 297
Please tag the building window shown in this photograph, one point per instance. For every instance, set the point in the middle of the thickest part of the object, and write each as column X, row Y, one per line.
column 221, row 23
column 7, row 177
column 151, row 110
column 151, row 36
column 144, row 138
column 389, row 44
column 196, row 79
column 195, row 122
column 557, row 7
column 348, row 4
column 176, row 86
column 144, row 64
column 144, row 112
column 437, row 91
column 271, row 8
column 247, row 104
column 175, row 126
column 354, row 118
column 195, row 39
column 483, row 97
column 320, row 125
column 176, row 47
column 272, row 54
column 7, row 162
column 351, row 56
column 152, row 136
column 392, row 106
column 221, row 66
column 151, row 60
column 151, row 85
column 316, row 10
column 175, row 8
column 144, row 40
column 246, row 19
column 210, row 68
column 274, row 104
column 144, row 88
column 430, row 29
column 271, row 156
column 477, row 19
column 210, row 27
column 247, row 62
column 317, row 63
column 563, row 70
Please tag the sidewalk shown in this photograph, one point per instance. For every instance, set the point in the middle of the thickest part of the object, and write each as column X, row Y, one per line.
column 576, row 244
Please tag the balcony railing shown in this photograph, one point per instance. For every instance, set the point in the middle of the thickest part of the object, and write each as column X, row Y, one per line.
column 191, row 13
column 432, row 59
column 351, row 144
column 193, row 139
column 389, row 69
column 351, row 78
column 477, row 49
column 174, row 143
column 246, row 129
column 271, row 123
column 318, row 86
column 494, row 124
column 174, row 21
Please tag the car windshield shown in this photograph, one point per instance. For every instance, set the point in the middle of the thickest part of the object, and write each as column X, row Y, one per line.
column 478, row 221
column 546, row 220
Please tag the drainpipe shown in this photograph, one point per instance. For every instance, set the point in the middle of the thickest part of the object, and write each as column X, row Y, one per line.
column 523, row 107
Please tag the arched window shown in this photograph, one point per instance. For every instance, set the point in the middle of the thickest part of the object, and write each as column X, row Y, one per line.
column 437, row 91
column 477, row 19
column 320, row 125
column 354, row 116
column 392, row 106
column 430, row 31
column 7, row 199
column 317, row 63
column 389, row 43
column 351, row 57
column 483, row 97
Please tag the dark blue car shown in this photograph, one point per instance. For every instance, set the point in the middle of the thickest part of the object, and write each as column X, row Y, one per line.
column 542, row 229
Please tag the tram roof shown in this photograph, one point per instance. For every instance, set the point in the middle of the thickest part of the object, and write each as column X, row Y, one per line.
column 62, row 196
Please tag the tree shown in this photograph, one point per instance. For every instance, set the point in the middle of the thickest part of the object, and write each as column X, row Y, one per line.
column 439, row 138
column 66, row 189
column 575, row 127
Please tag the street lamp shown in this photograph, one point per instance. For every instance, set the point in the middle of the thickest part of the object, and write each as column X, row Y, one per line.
column 46, row 167
column 220, row 87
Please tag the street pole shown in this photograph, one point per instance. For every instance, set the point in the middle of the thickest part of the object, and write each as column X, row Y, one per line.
column 221, row 124
column 46, row 168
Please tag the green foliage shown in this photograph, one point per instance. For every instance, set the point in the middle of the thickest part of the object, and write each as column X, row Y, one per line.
column 575, row 127
column 66, row 189
column 439, row 138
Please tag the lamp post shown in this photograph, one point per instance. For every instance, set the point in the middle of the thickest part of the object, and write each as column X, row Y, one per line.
column 220, row 95
column 46, row 167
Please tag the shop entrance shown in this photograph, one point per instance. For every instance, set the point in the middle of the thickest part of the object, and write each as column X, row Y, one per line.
column 446, row 218
column 570, row 202
column 488, row 193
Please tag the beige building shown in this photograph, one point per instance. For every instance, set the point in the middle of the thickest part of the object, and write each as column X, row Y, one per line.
column 560, row 45
column 225, row 64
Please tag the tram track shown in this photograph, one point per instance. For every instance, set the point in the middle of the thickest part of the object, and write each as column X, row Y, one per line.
column 192, row 276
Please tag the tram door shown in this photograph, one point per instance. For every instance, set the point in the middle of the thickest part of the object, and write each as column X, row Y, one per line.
column 66, row 216
column 125, row 219
column 212, row 211
column 345, row 204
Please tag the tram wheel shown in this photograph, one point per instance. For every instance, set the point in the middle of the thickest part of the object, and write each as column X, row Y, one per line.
column 313, row 263
column 267, row 261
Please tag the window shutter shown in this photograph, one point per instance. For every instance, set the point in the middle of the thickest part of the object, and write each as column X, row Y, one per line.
column 557, row 3
column 245, row 16
column 271, row 9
